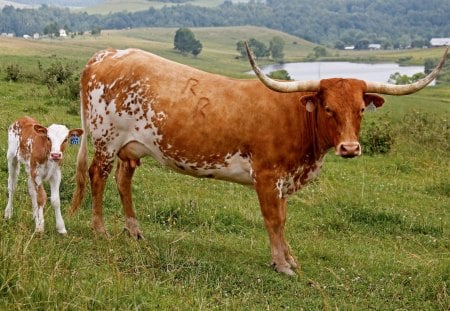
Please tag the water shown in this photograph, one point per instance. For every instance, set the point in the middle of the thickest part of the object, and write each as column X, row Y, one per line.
column 362, row 71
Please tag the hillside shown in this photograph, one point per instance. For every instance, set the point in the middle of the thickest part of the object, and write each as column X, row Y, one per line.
column 391, row 23
column 218, row 54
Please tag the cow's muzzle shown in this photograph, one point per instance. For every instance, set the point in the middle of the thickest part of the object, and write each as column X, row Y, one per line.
column 348, row 149
column 56, row 156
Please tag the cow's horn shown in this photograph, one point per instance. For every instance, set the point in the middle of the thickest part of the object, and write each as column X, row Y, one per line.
column 284, row 87
column 391, row 89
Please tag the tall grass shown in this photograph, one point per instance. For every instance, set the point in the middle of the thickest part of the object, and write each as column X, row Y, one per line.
column 370, row 233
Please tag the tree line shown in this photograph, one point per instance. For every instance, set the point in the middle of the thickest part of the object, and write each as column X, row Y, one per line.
column 337, row 23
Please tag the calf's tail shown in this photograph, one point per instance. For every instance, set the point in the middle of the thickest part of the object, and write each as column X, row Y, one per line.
column 81, row 175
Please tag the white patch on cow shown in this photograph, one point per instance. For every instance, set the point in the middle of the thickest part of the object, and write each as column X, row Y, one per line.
column 295, row 180
column 101, row 55
column 121, row 53
column 312, row 174
column 235, row 168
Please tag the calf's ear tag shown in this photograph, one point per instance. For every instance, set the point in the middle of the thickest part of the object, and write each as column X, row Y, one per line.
column 74, row 140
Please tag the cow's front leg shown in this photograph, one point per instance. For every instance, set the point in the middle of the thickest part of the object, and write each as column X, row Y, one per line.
column 124, row 174
column 55, row 181
column 98, row 173
column 273, row 208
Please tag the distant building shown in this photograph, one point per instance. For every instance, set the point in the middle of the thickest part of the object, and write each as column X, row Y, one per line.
column 36, row 36
column 350, row 47
column 439, row 41
column 26, row 36
column 374, row 46
column 62, row 33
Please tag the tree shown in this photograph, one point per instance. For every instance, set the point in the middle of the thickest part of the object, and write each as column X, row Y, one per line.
column 52, row 30
column 96, row 31
column 258, row 48
column 280, row 75
column 320, row 51
column 186, row 43
column 276, row 47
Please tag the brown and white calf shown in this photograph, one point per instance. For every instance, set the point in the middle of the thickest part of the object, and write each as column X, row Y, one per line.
column 40, row 149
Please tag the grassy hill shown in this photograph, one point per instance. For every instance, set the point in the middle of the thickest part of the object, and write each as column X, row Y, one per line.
column 218, row 54
column 370, row 233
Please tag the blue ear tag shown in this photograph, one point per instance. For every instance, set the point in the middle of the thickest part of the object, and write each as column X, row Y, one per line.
column 74, row 140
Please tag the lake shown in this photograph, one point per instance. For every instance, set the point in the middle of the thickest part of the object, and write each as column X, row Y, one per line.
column 322, row 70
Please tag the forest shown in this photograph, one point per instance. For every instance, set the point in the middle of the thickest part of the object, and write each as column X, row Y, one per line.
column 336, row 23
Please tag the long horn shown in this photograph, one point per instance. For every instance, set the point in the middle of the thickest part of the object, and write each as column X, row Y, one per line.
column 284, row 87
column 391, row 89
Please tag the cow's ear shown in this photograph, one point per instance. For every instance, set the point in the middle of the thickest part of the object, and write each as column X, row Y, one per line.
column 39, row 129
column 75, row 132
column 309, row 101
column 374, row 99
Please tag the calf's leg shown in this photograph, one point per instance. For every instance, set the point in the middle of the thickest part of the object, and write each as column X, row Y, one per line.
column 124, row 174
column 13, row 175
column 55, row 181
column 38, row 199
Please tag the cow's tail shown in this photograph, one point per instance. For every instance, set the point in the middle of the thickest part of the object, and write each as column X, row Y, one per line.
column 81, row 175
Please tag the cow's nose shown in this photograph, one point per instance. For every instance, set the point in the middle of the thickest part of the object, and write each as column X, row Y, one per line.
column 56, row 156
column 348, row 149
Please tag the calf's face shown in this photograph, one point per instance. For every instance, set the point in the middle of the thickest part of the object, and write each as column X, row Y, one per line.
column 57, row 137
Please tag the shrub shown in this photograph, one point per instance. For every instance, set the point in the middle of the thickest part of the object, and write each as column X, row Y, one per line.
column 13, row 72
column 61, row 80
column 427, row 129
column 376, row 137
column 280, row 75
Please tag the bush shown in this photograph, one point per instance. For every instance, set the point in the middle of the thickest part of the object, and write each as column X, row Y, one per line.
column 427, row 129
column 376, row 137
column 60, row 80
column 13, row 72
column 280, row 75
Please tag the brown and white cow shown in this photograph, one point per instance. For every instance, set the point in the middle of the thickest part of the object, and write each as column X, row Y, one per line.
column 137, row 104
column 40, row 149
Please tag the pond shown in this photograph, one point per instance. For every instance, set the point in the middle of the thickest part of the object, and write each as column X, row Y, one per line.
column 379, row 72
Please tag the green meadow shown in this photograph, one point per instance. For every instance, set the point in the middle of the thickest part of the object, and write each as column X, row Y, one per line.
column 370, row 233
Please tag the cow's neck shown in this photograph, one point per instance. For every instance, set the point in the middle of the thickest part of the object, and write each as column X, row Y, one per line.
column 317, row 146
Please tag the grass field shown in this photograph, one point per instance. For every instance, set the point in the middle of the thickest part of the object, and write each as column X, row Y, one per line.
column 370, row 233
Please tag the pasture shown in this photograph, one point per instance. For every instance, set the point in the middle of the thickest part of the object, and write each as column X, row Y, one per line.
column 370, row 233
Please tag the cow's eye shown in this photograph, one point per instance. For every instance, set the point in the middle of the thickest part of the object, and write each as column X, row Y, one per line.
column 328, row 110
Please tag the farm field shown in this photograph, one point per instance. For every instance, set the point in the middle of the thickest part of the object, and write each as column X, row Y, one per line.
column 370, row 233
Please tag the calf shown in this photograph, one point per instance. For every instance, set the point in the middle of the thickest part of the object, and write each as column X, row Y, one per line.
column 40, row 149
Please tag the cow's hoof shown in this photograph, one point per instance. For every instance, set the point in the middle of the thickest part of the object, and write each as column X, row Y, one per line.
column 132, row 227
column 285, row 269
column 62, row 231
column 8, row 213
column 135, row 233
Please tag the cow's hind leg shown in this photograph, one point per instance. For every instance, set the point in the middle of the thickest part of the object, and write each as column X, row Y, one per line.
column 124, row 174
column 98, row 173
column 273, row 208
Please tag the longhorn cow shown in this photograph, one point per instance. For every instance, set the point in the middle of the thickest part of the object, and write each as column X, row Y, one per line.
column 271, row 136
